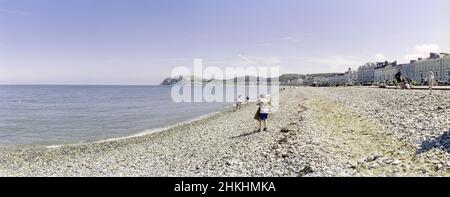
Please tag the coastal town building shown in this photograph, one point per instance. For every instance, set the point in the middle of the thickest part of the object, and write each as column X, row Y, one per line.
column 407, row 70
column 437, row 63
column 385, row 72
column 338, row 80
column 322, row 79
column 348, row 78
column 446, row 67
column 366, row 74
column 351, row 77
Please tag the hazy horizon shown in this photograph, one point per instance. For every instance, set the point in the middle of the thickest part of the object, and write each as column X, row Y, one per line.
column 118, row 42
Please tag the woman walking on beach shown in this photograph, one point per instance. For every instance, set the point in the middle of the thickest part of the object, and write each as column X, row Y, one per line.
column 263, row 112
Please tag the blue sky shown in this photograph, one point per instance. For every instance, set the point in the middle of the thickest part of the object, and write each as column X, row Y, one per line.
column 141, row 41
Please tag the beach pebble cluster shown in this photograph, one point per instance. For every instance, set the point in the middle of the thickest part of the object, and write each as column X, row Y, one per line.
column 420, row 119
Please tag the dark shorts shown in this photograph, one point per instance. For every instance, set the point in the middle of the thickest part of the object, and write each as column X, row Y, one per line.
column 263, row 116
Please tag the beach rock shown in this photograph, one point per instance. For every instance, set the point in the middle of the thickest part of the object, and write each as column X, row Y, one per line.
column 377, row 156
column 396, row 162
column 370, row 158
column 373, row 165
column 353, row 164
column 284, row 155
column 389, row 161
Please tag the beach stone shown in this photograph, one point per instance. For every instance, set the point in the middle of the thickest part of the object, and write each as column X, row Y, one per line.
column 389, row 161
column 373, row 165
column 377, row 156
column 353, row 164
column 435, row 161
column 370, row 158
column 439, row 167
column 396, row 162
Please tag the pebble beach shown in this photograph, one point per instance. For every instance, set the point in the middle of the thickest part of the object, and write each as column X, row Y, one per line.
column 319, row 132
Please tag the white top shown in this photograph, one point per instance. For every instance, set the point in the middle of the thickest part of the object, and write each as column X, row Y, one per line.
column 263, row 106
column 240, row 100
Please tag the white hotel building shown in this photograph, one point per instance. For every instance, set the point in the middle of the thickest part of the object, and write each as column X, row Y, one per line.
column 348, row 78
column 385, row 72
column 366, row 74
column 338, row 79
column 439, row 64
column 417, row 71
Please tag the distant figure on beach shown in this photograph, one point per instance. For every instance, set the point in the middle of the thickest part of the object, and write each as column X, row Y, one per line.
column 239, row 102
column 399, row 80
column 430, row 80
column 408, row 85
column 398, row 77
column 247, row 99
column 263, row 112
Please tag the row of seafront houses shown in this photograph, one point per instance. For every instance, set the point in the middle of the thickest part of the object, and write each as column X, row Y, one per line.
column 384, row 72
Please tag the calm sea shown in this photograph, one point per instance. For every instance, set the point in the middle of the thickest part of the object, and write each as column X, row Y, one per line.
column 53, row 115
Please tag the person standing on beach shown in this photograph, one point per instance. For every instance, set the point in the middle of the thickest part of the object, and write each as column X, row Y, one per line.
column 399, row 80
column 239, row 102
column 264, row 104
column 430, row 80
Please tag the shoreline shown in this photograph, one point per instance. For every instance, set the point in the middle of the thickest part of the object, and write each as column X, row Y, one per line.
column 331, row 132
column 114, row 139
column 143, row 133
column 203, row 130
